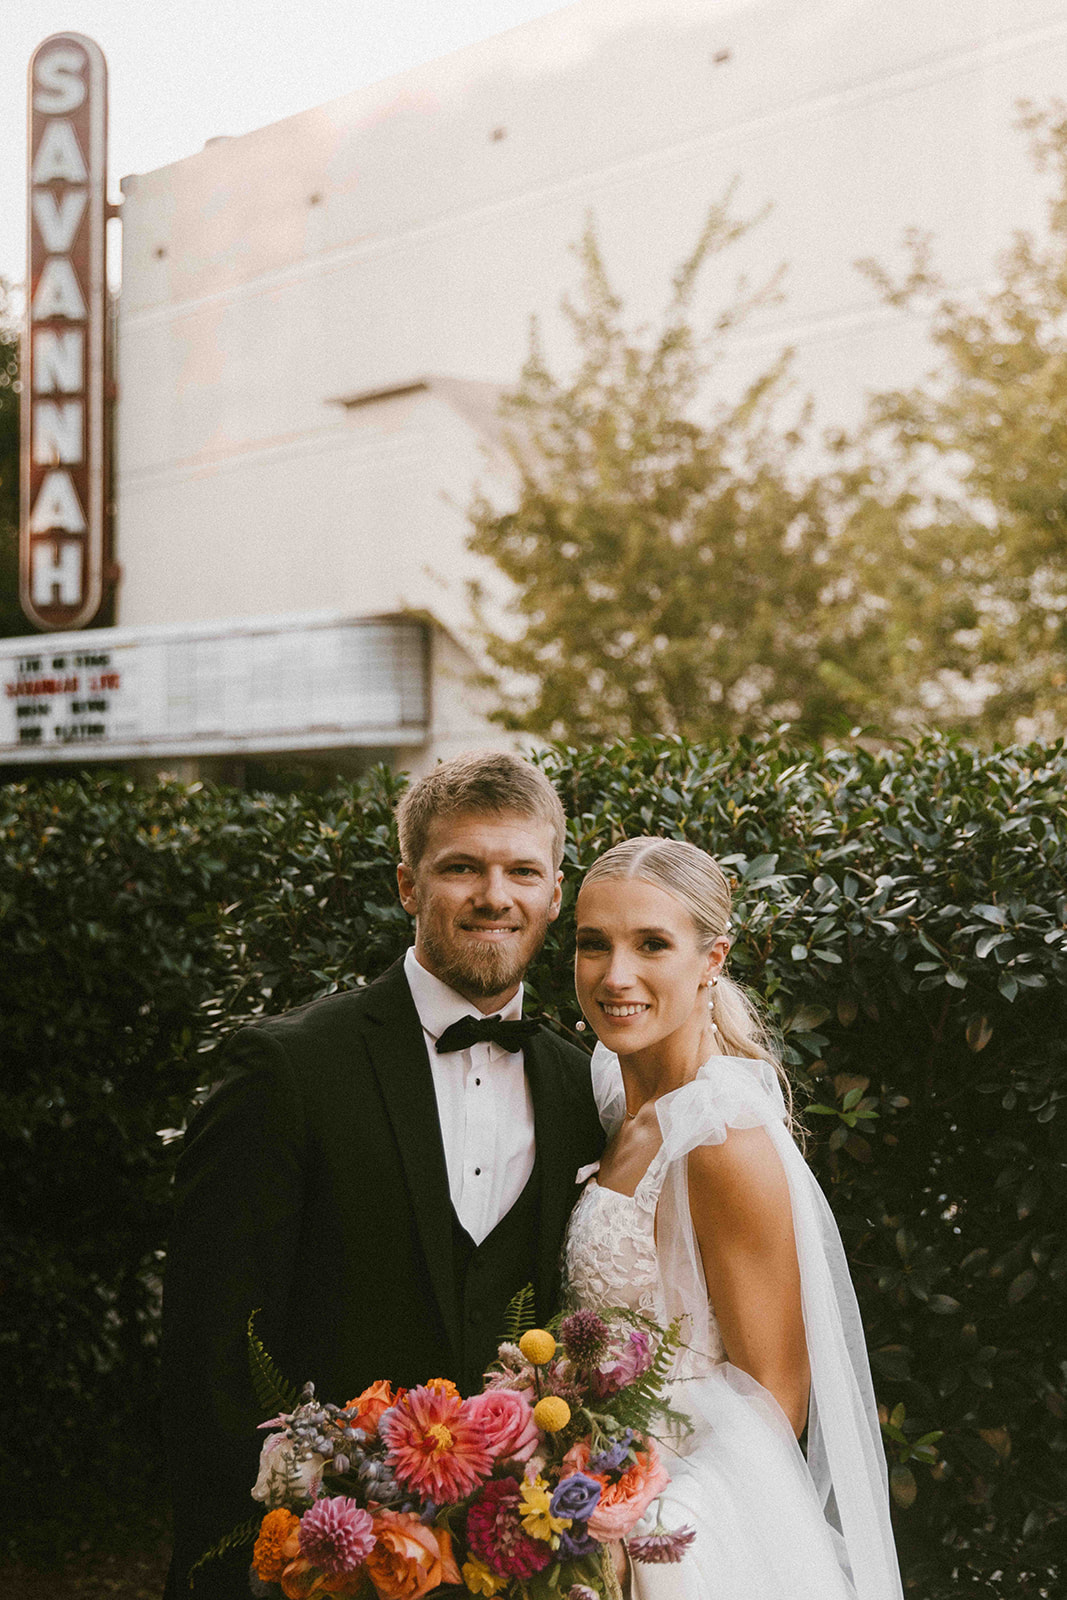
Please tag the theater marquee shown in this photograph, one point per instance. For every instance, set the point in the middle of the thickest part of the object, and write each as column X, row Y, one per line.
column 63, row 373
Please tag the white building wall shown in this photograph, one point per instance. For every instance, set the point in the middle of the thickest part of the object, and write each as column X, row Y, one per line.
column 364, row 512
column 413, row 228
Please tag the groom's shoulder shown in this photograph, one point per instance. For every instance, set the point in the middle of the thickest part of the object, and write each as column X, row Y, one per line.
column 336, row 1015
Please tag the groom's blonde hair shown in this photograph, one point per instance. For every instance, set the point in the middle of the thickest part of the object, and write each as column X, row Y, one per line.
column 483, row 782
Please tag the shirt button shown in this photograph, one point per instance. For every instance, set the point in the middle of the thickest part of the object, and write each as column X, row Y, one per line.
column 477, row 1172
column 477, row 1083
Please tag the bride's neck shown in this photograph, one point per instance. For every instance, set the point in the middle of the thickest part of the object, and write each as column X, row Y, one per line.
column 668, row 1064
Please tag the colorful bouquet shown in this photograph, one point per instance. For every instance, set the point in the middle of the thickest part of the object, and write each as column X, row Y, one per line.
column 516, row 1492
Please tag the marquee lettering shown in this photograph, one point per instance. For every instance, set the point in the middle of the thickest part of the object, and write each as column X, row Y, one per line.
column 63, row 440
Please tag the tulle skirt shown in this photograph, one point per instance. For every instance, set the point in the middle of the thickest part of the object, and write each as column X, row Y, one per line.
column 740, row 1479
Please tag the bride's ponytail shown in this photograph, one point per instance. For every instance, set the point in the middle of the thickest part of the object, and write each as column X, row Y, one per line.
column 697, row 880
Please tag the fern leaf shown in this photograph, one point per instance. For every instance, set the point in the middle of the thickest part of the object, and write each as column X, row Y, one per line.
column 520, row 1315
column 245, row 1534
column 273, row 1392
column 641, row 1404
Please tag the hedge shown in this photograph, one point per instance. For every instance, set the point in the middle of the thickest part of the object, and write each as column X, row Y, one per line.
column 903, row 915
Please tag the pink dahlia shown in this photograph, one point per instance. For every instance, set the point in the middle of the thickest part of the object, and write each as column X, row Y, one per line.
column 435, row 1446
column 496, row 1535
column 336, row 1535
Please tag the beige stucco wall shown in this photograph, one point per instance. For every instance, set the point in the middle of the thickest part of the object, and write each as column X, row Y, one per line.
column 364, row 512
column 413, row 228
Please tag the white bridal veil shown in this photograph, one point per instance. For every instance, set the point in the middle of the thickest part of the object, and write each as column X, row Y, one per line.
column 845, row 1458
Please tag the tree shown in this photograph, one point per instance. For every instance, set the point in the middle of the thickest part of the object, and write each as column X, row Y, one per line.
column 666, row 571
column 12, row 620
column 953, row 498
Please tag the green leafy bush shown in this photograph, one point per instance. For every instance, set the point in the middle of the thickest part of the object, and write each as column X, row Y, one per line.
column 904, row 917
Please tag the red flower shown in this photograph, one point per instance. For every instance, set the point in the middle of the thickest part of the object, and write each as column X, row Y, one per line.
column 435, row 1446
column 497, row 1537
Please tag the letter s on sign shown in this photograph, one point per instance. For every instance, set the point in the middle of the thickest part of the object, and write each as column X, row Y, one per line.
column 60, row 80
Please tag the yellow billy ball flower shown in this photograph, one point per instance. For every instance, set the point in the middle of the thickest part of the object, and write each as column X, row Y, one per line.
column 538, row 1346
column 552, row 1413
column 479, row 1579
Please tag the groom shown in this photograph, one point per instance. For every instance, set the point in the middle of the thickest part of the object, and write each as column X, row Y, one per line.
column 381, row 1170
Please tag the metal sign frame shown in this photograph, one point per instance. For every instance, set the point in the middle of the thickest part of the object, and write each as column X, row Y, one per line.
column 62, row 543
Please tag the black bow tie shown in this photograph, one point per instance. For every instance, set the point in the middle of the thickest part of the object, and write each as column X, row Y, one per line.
column 469, row 1030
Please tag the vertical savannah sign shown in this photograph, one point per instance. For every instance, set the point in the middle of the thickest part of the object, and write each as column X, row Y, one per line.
column 61, row 549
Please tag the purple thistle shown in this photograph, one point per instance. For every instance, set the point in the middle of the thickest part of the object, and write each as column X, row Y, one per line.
column 661, row 1545
column 584, row 1336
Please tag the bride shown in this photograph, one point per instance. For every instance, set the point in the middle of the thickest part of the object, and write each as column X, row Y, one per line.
column 703, row 1207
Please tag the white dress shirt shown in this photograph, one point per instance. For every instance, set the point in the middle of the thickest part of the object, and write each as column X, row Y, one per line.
column 483, row 1105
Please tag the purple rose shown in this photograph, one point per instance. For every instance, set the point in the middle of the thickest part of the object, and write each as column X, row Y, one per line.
column 576, row 1541
column 576, row 1497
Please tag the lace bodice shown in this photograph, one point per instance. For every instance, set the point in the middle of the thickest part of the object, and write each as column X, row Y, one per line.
column 610, row 1259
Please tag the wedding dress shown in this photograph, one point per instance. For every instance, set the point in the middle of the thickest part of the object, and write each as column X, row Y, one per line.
column 770, row 1524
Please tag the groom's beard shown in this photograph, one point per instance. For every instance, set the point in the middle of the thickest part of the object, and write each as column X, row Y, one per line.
column 480, row 971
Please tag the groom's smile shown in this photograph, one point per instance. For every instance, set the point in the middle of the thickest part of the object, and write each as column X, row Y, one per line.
column 483, row 894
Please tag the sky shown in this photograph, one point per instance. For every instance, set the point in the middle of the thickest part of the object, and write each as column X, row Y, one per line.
column 180, row 74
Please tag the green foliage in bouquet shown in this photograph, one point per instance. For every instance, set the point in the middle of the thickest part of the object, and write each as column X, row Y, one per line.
column 239, row 1538
column 641, row 1406
column 521, row 1314
column 274, row 1394
column 903, row 915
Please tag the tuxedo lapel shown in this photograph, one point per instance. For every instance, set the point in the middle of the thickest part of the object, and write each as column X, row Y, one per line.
column 558, row 1194
column 397, row 1050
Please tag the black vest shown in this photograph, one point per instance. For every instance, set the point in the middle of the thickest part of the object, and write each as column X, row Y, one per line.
column 489, row 1275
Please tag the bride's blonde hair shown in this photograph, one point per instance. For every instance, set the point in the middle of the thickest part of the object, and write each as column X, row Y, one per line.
column 696, row 879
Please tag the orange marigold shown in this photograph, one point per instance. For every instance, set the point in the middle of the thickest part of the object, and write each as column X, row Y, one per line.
column 270, row 1556
column 443, row 1386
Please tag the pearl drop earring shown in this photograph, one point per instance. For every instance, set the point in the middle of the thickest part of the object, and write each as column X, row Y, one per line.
column 579, row 1026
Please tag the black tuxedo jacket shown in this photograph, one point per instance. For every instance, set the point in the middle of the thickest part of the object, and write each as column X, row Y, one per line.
column 313, row 1184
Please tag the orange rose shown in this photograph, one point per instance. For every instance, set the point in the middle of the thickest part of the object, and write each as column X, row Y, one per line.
column 277, row 1544
column 623, row 1504
column 409, row 1558
column 371, row 1404
column 300, row 1580
column 345, row 1583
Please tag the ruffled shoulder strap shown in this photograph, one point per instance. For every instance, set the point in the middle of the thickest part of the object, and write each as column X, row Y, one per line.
column 727, row 1092
column 608, row 1090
